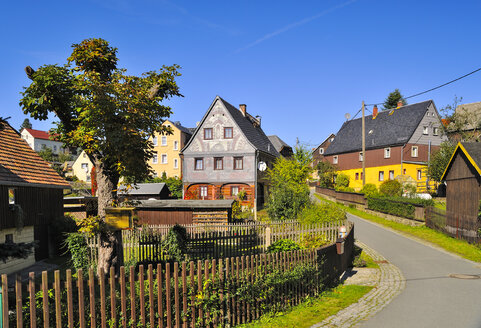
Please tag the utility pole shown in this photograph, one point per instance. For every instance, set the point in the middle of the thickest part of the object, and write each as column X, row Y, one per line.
column 363, row 147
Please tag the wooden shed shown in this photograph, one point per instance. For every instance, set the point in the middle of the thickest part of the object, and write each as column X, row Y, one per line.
column 172, row 211
column 463, row 191
column 31, row 198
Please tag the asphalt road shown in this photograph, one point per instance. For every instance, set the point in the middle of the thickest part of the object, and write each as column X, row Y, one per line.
column 431, row 298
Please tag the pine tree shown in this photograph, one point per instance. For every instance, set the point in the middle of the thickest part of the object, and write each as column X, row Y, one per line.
column 393, row 98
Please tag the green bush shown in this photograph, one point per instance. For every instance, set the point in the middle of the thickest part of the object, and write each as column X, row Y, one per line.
column 345, row 189
column 287, row 203
column 370, row 190
column 342, row 181
column 415, row 200
column 283, row 245
column 312, row 241
column 388, row 206
column 176, row 243
column 391, row 188
column 322, row 212
column 79, row 250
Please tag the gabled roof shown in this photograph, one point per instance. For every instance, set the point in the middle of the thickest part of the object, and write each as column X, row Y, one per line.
column 20, row 165
column 389, row 128
column 181, row 127
column 253, row 132
column 39, row 134
column 278, row 143
column 143, row 189
column 332, row 135
column 472, row 151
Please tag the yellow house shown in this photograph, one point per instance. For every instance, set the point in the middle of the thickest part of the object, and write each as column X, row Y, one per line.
column 167, row 148
column 82, row 167
column 399, row 143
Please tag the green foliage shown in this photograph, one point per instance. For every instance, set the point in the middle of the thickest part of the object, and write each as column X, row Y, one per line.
column 388, row 206
column 242, row 195
column 321, row 212
column 326, row 172
column 79, row 250
column 342, row 181
column 101, row 109
column 16, row 250
column 174, row 183
column 175, row 243
column 26, row 124
column 393, row 98
column 370, row 190
column 289, row 192
column 91, row 226
column 313, row 241
column 283, row 245
column 302, row 155
column 345, row 189
column 47, row 154
column 391, row 188
column 439, row 160
column 412, row 200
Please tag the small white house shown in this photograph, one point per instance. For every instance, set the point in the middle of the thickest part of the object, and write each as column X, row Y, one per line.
column 82, row 167
column 38, row 140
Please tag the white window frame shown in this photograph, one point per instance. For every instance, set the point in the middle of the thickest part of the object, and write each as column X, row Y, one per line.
column 203, row 191
column 321, row 151
column 387, row 152
column 435, row 131
column 162, row 159
column 335, row 159
column 425, row 130
column 361, row 158
column 155, row 158
column 176, row 145
column 155, row 141
column 419, row 174
column 176, row 163
column 391, row 177
column 381, row 176
column 232, row 188
column 164, row 141
column 414, row 151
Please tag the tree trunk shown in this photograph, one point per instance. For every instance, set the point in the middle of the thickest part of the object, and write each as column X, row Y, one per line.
column 110, row 249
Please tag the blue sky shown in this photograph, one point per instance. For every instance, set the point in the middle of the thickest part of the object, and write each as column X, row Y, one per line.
column 301, row 65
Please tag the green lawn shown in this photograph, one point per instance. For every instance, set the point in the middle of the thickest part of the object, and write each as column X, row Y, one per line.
column 312, row 312
column 453, row 245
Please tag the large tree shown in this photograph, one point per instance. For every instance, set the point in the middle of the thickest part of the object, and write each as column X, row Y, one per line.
column 26, row 124
column 393, row 98
column 107, row 113
column 439, row 160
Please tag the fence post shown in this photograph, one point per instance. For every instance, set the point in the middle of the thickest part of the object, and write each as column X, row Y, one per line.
column 268, row 236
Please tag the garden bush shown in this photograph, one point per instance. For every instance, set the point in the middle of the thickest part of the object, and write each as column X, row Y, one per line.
column 283, row 245
column 346, row 189
column 370, row 190
column 391, row 188
column 312, row 241
column 79, row 250
column 175, row 243
column 388, row 206
column 342, row 180
column 322, row 212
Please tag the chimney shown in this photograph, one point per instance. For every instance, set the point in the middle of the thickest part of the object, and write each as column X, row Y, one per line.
column 374, row 112
column 258, row 117
column 400, row 103
column 242, row 108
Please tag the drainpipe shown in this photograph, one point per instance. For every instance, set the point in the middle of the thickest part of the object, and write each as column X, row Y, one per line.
column 402, row 153
column 255, row 184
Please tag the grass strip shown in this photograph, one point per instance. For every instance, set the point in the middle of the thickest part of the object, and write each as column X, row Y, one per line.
column 313, row 311
column 448, row 243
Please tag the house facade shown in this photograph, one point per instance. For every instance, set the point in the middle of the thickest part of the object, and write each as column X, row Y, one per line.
column 39, row 140
column 31, row 198
column 227, row 154
column 82, row 167
column 167, row 147
column 399, row 142
column 318, row 153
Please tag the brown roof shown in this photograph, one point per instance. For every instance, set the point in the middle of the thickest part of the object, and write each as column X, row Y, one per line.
column 19, row 164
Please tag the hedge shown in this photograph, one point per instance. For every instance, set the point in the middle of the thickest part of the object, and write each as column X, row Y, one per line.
column 389, row 206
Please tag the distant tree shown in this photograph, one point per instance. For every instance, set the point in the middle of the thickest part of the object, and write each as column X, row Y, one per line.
column 26, row 124
column 326, row 172
column 175, row 185
column 47, row 154
column 439, row 160
column 105, row 112
column 393, row 98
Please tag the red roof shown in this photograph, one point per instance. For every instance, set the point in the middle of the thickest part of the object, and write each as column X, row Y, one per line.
column 39, row 134
column 20, row 164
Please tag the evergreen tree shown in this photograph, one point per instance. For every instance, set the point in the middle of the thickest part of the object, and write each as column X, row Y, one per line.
column 393, row 98
column 26, row 124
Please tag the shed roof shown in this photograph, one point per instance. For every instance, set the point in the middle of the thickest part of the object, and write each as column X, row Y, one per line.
column 184, row 203
column 389, row 128
column 143, row 189
column 472, row 151
column 20, row 165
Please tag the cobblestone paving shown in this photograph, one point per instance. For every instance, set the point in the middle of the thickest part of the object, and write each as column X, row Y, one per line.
column 390, row 282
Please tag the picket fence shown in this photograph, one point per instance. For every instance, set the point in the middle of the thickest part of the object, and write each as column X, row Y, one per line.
column 210, row 293
column 144, row 245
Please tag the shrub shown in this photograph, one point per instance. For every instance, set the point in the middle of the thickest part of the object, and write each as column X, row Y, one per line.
column 287, row 203
column 311, row 241
column 79, row 250
column 342, row 180
column 283, row 245
column 346, row 189
column 176, row 243
column 391, row 188
column 370, row 190
column 322, row 212
column 415, row 200
column 388, row 206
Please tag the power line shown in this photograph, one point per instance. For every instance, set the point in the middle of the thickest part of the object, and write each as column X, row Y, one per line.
column 439, row 86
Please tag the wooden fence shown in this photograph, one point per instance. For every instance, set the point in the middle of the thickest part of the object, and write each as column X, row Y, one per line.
column 216, row 241
column 208, row 293
column 436, row 219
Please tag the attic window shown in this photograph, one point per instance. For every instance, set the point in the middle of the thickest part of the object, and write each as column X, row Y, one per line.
column 335, row 159
column 321, row 151
column 387, row 152
column 435, row 131
column 208, row 134
column 425, row 130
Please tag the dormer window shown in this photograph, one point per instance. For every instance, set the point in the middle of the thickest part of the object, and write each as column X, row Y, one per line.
column 208, row 134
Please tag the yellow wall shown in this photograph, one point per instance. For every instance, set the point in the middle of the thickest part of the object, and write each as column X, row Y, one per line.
column 372, row 174
column 168, row 150
column 77, row 169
